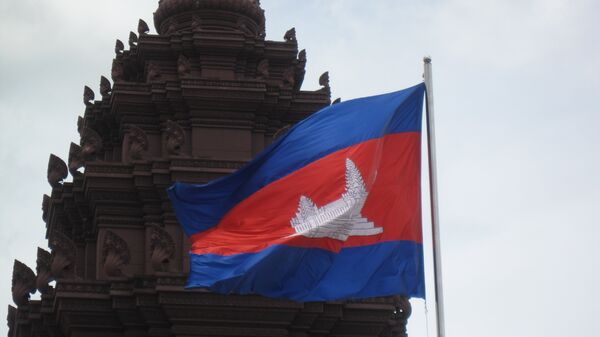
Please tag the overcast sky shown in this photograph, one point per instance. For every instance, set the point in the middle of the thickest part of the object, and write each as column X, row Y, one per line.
column 516, row 85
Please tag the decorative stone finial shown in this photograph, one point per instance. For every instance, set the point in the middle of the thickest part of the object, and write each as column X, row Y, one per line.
column 162, row 248
column 115, row 254
column 105, row 87
column 175, row 137
column 80, row 122
column 23, row 283
column 133, row 40
column 75, row 160
column 143, row 28
column 290, row 35
column 88, row 95
column 119, row 47
column 64, row 252
column 57, row 171
column 324, row 80
column 43, row 267
column 91, row 143
column 338, row 100
column 138, row 142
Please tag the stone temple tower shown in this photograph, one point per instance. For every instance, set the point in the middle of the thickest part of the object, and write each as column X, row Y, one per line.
column 192, row 103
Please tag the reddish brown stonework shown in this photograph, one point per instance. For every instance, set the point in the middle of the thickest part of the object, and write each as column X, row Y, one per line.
column 193, row 103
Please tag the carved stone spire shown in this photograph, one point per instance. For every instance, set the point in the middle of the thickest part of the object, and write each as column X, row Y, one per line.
column 119, row 47
column 43, row 268
column 63, row 256
column 175, row 137
column 23, row 283
column 57, row 171
column 162, row 248
column 138, row 142
column 115, row 254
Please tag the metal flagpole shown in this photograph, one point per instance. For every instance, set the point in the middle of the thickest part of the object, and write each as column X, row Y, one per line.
column 433, row 192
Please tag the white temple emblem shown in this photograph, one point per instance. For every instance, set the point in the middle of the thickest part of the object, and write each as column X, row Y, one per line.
column 339, row 219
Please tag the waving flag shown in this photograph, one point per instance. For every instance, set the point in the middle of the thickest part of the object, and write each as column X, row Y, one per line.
column 329, row 211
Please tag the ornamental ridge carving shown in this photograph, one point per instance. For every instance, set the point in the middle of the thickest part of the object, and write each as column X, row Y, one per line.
column 75, row 160
column 105, row 87
column 143, row 28
column 11, row 317
column 23, row 283
column 337, row 101
column 300, row 70
column 115, row 254
column 57, row 171
column 162, row 248
column 133, row 40
column 43, row 270
column 91, row 144
column 138, row 142
column 184, row 66
column 324, row 80
column 290, row 35
column 88, row 96
column 63, row 256
column 119, row 47
column 45, row 207
column 175, row 137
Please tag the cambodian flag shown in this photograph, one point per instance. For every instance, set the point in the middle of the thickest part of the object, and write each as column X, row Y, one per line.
column 330, row 211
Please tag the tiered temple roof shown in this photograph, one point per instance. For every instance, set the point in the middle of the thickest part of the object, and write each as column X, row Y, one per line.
column 191, row 103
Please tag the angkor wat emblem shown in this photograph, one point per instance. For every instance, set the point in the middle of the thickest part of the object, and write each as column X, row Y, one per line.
column 339, row 219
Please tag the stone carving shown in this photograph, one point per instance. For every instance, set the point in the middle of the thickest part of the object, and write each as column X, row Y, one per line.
column 64, row 252
column 290, row 35
column 116, row 72
column 341, row 218
column 119, row 47
column 44, row 276
column 162, row 248
column 300, row 70
column 57, row 171
column 115, row 254
column 91, row 143
column 172, row 29
column 175, row 137
column 400, row 317
column 289, row 77
column 88, row 96
column 184, row 66
column 23, row 283
column 133, row 40
column 262, row 70
column 45, row 207
column 324, row 80
column 153, row 71
column 196, row 23
column 105, row 87
column 338, row 100
column 11, row 317
column 143, row 28
column 80, row 123
column 75, row 160
column 138, row 142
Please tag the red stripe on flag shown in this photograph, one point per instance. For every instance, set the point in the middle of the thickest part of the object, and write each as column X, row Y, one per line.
column 390, row 167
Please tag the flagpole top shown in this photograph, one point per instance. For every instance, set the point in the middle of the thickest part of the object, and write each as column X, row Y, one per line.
column 427, row 59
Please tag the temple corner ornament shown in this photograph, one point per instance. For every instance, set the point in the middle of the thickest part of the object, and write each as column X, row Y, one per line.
column 115, row 254
column 339, row 219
